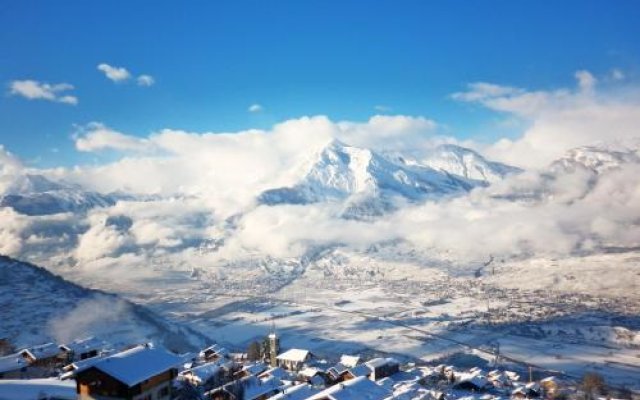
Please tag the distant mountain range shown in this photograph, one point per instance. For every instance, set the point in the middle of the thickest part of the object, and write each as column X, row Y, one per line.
column 37, row 195
column 365, row 181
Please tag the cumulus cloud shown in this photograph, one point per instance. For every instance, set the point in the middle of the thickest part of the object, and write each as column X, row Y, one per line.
column 34, row 90
column 255, row 108
column 557, row 120
column 96, row 137
column 116, row 74
column 198, row 190
column 145, row 80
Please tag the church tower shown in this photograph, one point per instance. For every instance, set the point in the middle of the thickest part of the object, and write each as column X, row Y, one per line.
column 274, row 347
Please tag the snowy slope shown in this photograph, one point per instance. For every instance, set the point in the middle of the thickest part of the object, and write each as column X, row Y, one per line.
column 464, row 162
column 339, row 171
column 40, row 307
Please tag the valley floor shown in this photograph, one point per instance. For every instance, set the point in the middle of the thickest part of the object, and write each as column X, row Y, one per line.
column 432, row 317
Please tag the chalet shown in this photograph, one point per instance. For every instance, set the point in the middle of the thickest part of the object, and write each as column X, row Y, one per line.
column 313, row 376
column 203, row 373
column 13, row 366
column 251, row 370
column 213, row 353
column 46, row 355
column 142, row 372
column 359, row 371
column 337, row 372
column 349, row 361
column 247, row 388
column 81, row 349
column 529, row 391
column 294, row 359
column 471, row 381
column 276, row 372
column 359, row 388
column 382, row 367
column 69, row 370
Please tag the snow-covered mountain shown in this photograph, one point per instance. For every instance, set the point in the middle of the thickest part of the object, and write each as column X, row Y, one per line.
column 599, row 157
column 340, row 171
column 464, row 162
column 37, row 195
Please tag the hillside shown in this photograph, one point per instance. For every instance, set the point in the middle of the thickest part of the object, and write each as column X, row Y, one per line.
column 39, row 306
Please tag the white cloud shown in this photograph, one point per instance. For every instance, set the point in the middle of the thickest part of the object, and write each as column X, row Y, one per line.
column 255, row 108
column 557, row 120
column 116, row 74
column 145, row 80
column 382, row 108
column 95, row 137
column 34, row 90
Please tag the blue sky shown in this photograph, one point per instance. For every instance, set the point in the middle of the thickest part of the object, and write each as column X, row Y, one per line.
column 212, row 60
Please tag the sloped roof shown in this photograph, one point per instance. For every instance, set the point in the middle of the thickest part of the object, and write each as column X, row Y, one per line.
column 379, row 362
column 349, row 361
column 84, row 345
column 12, row 362
column 360, row 370
column 29, row 389
column 255, row 369
column 296, row 355
column 138, row 364
column 203, row 372
column 359, row 388
column 298, row 392
column 252, row 387
column 42, row 351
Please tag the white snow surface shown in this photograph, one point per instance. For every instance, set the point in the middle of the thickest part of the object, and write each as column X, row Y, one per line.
column 30, row 389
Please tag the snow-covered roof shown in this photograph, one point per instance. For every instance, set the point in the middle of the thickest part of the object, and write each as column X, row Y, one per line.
column 83, row 364
column 253, row 387
column 138, row 364
column 359, row 388
column 203, row 372
column 309, row 372
column 12, row 362
column 255, row 369
column 380, row 362
column 29, row 389
column 360, row 370
column 216, row 349
column 349, row 361
column 42, row 351
column 84, row 345
column 298, row 392
column 337, row 369
column 475, row 379
column 295, row 355
column 275, row 371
